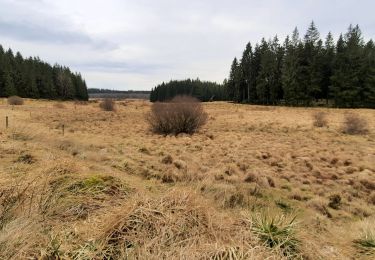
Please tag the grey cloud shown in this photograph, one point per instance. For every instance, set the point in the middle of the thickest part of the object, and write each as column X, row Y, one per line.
column 32, row 32
column 120, row 67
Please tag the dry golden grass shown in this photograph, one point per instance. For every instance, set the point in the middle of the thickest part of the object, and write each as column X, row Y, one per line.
column 110, row 188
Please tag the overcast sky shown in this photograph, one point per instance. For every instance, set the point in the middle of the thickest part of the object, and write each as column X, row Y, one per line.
column 122, row 44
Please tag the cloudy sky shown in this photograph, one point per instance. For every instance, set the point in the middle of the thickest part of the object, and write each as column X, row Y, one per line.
column 122, row 44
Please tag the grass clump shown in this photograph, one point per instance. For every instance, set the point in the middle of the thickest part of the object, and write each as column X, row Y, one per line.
column 97, row 184
column 183, row 114
column 354, row 125
column 334, row 201
column 73, row 198
column 320, row 119
column 15, row 101
column 26, row 158
column 151, row 228
column 366, row 241
column 277, row 232
column 107, row 104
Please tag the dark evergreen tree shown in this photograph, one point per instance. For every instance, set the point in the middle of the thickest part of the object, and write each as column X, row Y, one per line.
column 290, row 69
column 327, row 66
column 246, row 63
column 231, row 84
column 312, row 60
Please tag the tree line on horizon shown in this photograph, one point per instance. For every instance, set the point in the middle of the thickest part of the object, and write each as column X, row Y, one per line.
column 33, row 78
column 105, row 91
column 299, row 72
column 305, row 72
column 203, row 90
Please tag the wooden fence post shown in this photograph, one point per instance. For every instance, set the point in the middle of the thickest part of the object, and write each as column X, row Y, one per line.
column 6, row 122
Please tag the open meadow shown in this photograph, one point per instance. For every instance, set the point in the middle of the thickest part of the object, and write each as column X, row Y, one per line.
column 77, row 182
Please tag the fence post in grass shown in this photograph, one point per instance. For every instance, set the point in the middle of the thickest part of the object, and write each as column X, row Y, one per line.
column 6, row 122
column 63, row 129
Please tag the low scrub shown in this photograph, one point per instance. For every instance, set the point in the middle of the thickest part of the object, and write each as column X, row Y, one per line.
column 107, row 104
column 183, row 114
column 354, row 125
column 320, row 119
column 15, row 101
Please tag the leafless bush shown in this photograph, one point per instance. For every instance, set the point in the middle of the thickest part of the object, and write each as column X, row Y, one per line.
column 15, row 100
column 107, row 104
column 183, row 114
column 320, row 119
column 354, row 125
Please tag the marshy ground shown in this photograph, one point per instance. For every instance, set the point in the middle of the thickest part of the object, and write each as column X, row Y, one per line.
column 109, row 188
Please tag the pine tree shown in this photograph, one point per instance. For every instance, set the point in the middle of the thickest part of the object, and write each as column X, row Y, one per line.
column 231, row 86
column 327, row 66
column 312, row 62
column 246, row 63
column 290, row 70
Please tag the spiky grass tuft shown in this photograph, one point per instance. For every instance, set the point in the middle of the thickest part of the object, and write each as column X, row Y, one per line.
column 277, row 232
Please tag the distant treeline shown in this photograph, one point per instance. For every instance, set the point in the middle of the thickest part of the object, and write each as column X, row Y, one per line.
column 203, row 90
column 303, row 71
column 118, row 94
column 33, row 78
column 102, row 90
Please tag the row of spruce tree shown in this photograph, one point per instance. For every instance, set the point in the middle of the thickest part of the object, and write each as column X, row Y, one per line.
column 203, row 90
column 33, row 78
column 304, row 71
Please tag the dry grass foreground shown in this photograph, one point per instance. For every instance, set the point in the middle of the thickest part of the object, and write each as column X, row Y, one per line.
column 110, row 188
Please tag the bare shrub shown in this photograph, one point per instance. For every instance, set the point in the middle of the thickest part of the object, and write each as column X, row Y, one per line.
column 107, row 104
column 320, row 119
column 15, row 100
column 354, row 125
column 183, row 114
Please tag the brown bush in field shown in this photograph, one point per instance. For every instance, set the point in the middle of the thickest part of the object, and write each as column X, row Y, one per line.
column 320, row 119
column 15, row 100
column 59, row 105
column 354, row 125
column 183, row 114
column 107, row 104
